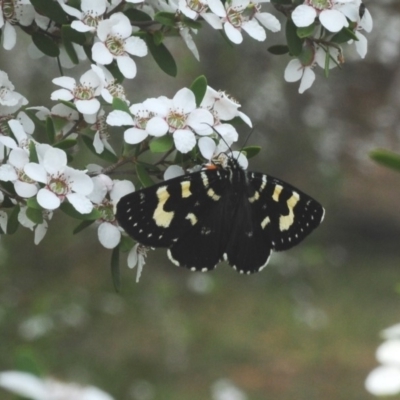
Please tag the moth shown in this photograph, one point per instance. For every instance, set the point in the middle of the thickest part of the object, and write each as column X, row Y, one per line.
column 222, row 212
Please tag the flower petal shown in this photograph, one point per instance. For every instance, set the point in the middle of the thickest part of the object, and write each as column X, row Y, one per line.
column 109, row 235
column 23, row 384
column 157, row 126
column 333, row 20
column 25, row 189
column 135, row 135
column 303, row 15
column 307, row 80
column 127, row 66
column 207, row 147
column 101, row 54
column 119, row 118
column 184, row 140
column 293, row 71
column 383, row 381
column 81, row 203
column 233, row 34
column 47, row 199
column 136, row 46
column 255, row 30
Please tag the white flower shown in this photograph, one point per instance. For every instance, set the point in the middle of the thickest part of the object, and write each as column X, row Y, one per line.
column 10, row 101
column 90, row 16
column 22, row 138
column 105, row 195
column 35, row 388
column 64, row 117
column 116, row 43
column 181, row 117
column 60, row 181
column 297, row 70
column 110, row 88
column 238, row 15
column 39, row 229
column 332, row 14
column 83, row 94
column 137, row 256
column 364, row 23
column 100, row 140
column 13, row 171
column 174, row 171
column 222, row 106
column 384, row 380
column 14, row 12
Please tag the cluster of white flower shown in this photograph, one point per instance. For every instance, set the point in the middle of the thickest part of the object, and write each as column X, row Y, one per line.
column 332, row 16
column 180, row 117
column 385, row 379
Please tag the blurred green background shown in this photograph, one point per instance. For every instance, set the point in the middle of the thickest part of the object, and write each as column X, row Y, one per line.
column 307, row 327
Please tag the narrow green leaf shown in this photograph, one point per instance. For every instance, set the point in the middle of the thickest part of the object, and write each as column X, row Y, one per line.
column 294, row 42
column 70, row 210
column 106, row 155
column 50, row 130
column 83, row 225
column 190, row 23
column 45, row 44
column 126, row 244
column 162, row 56
column 115, row 72
column 26, row 360
column 278, row 49
column 115, row 273
column 165, row 18
column 143, row 176
column 161, row 144
column 70, row 50
column 136, row 15
column 158, row 37
column 33, row 203
column 199, row 88
column 344, row 36
column 12, row 223
column 72, row 35
column 33, row 157
column 119, row 104
column 305, row 31
column 386, row 158
column 35, row 215
column 50, row 9
column 66, row 143
column 68, row 104
column 251, row 151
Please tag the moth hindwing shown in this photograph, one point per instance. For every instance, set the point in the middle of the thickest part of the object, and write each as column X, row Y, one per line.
column 220, row 213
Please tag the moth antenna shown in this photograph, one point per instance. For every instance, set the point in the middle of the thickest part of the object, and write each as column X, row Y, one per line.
column 245, row 142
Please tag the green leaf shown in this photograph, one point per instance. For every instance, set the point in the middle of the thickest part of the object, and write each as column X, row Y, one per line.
column 162, row 56
column 83, row 225
column 115, row 72
column 115, row 273
column 33, row 203
column 119, row 104
column 278, row 49
column 158, row 37
column 26, row 360
column 12, row 223
column 50, row 130
column 70, row 210
column 68, row 104
column 165, row 18
column 35, row 215
column 126, row 244
column 106, row 155
column 344, row 36
column 73, row 35
column 66, row 143
column 33, row 157
column 45, row 44
column 161, row 144
column 281, row 2
column 136, row 15
column 70, row 50
column 294, row 42
column 50, row 9
column 305, row 31
column 143, row 175
column 251, row 151
column 386, row 158
column 190, row 23
column 199, row 88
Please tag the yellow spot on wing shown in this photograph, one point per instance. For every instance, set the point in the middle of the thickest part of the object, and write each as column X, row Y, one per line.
column 185, row 185
column 192, row 218
column 213, row 195
column 286, row 221
column 277, row 192
column 255, row 197
column 265, row 222
column 161, row 217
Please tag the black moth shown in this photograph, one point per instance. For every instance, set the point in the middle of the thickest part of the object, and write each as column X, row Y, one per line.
column 220, row 213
